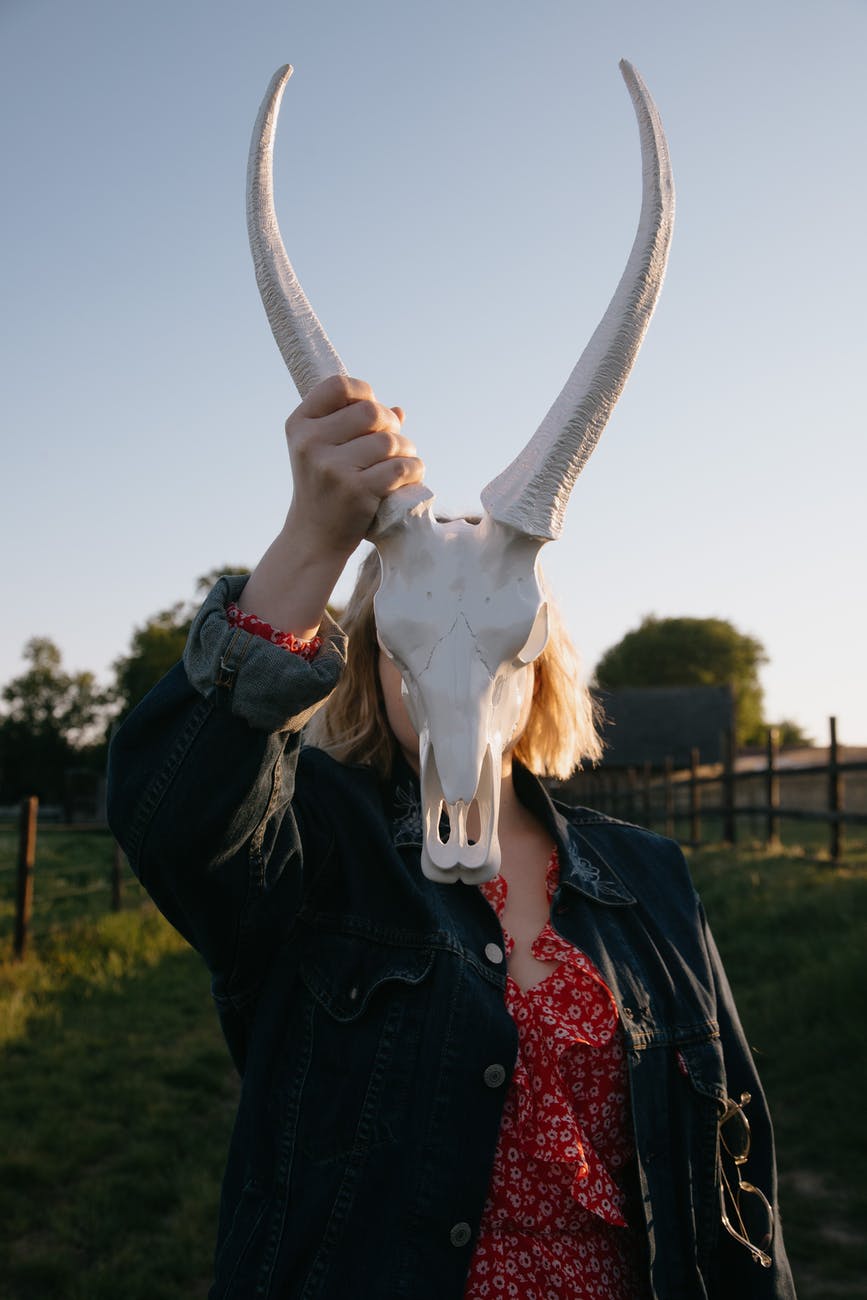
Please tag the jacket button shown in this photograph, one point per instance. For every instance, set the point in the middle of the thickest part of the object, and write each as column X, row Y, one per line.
column 494, row 1076
column 494, row 953
column 460, row 1234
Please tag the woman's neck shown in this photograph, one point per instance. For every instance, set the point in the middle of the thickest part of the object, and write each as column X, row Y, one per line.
column 517, row 827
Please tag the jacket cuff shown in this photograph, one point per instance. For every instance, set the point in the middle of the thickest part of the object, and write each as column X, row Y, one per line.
column 266, row 685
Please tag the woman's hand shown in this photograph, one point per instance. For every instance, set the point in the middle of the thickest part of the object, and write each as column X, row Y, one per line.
column 347, row 453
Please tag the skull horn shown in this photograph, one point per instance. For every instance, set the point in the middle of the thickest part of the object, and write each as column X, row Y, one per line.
column 531, row 494
column 303, row 343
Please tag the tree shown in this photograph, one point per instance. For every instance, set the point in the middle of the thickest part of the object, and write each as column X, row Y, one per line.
column 691, row 652
column 158, row 644
column 791, row 734
column 46, row 700
column 154, row 647
column 52, row 720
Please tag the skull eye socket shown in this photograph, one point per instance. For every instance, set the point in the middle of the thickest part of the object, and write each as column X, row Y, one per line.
column 538, row 638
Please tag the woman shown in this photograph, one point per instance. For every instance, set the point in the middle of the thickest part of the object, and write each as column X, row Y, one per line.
column 448, row 1090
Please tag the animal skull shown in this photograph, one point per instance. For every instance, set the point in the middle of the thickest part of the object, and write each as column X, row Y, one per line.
column 460, row 608
column 461, row 611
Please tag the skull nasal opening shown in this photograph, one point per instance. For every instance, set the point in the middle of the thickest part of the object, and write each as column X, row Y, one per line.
column 468, row 817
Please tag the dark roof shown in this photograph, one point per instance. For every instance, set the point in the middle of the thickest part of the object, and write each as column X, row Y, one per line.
column 647, row 724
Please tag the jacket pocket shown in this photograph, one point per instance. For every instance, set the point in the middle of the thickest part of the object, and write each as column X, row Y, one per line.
column 368, row 1008
column 702, row 1063
column 703, row 1066
column 345, row 973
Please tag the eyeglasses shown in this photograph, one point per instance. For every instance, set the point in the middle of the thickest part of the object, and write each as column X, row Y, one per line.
column 746, row 1212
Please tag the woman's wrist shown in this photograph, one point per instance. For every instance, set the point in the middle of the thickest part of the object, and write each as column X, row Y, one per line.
column 306, row 649
column 291, row 584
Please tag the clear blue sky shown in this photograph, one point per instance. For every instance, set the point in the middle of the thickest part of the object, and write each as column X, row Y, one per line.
column 458, row 186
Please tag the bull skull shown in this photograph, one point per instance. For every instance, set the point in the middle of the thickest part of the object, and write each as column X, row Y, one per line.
column 460, row 607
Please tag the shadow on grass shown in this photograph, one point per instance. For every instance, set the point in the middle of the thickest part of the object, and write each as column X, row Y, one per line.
column 116, row 1102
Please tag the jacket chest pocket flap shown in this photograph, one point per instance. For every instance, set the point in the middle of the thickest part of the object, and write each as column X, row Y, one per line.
column 346, row 973
column 702, row 1063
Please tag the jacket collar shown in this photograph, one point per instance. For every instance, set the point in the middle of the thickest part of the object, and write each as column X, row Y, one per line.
column 582, row 866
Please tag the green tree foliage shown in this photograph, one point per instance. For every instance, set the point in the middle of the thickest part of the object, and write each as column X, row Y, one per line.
column 158, row 644
column 791, row 734
column 51, row 720
column 154, row 647
column 691, row 652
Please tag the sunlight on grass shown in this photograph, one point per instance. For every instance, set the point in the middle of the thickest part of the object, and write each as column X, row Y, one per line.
column 116, row 1103
column 87, row 956
column 71, row 881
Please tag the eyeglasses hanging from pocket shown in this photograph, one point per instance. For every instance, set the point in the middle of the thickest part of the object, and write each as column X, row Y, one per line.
column 746, row 1212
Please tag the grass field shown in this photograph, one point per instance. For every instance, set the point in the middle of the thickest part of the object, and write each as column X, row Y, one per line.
column 117, row 1097
column 793, row 934
column 72, row 880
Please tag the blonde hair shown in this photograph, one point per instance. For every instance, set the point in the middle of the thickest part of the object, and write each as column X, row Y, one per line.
column 352, row 726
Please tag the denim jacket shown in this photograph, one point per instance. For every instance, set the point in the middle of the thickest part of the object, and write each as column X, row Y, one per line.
column 363, row 1004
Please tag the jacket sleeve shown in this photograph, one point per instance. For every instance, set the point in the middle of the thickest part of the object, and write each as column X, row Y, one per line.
column 739, row 1274
column 201, row 784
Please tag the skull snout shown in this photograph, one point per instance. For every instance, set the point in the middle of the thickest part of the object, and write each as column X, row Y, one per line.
column 448, row 853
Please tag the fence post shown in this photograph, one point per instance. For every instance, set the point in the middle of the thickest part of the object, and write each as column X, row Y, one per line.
column 647, row 815
column 668, row 796
column 631, row 802
column 772, row 789
column 835, row 801
column 26, row 863
column 694, row 799
column 117, row 878
column 729, row 827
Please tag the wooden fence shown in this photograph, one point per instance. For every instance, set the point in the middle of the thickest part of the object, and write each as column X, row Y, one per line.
column 681, row 801
column 24, row 871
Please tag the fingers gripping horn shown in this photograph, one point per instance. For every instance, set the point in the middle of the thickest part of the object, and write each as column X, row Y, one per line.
column 532, row 493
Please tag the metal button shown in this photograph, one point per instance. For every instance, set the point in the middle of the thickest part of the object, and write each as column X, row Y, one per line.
column 460, row 1234
column 494, row 1076
column 494, row 953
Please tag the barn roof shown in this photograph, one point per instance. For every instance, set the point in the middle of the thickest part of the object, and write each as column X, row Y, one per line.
column 647, row 724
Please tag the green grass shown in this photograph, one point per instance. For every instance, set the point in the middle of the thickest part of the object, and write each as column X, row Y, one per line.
column 71, row 880
column 117, row 1097
column 116, row 1102
column 792, row 931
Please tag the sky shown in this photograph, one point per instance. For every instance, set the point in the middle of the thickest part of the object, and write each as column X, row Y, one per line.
column 458, row 186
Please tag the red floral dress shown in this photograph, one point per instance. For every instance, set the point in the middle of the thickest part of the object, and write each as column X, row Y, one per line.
column 553, row 1226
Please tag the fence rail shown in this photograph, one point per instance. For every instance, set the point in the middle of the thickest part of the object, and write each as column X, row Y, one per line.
column 51, row 884
column 672, row 796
